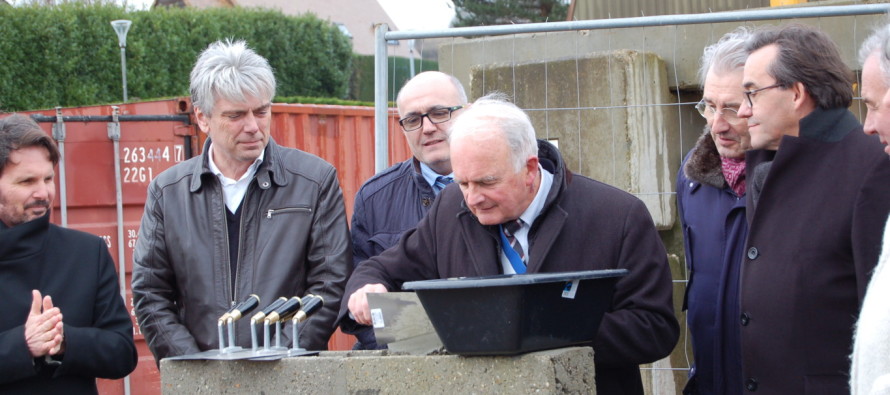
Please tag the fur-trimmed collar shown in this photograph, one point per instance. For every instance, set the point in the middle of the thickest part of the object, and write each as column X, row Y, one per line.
column 704, row 165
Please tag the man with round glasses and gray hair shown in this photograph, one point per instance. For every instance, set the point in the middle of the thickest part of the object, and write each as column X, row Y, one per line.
column 394, row 200
column 710, row 196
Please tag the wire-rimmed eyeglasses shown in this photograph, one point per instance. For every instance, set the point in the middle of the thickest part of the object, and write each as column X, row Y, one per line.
column 708, row 112
column 750, row 94
column 436, row 115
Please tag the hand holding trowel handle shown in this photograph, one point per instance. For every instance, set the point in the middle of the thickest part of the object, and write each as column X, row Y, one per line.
column 358, row 303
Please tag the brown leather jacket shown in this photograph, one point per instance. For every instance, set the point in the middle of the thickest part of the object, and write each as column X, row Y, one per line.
column 294, row 241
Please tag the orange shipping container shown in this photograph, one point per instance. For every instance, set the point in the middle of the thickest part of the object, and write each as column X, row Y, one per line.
column 153, row 136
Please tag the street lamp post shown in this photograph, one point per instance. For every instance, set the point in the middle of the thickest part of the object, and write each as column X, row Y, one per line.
column 121, row 26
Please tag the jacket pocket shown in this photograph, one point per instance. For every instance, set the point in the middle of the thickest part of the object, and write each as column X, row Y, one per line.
column 285, row 210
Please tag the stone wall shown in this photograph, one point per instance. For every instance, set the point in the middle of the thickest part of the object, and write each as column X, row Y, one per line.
column 560, row 371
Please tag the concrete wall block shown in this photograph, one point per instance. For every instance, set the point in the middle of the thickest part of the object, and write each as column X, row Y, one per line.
column 560, row 371
column 543, row 372
column 652, row 131
column 612, row 114
column 287, row 376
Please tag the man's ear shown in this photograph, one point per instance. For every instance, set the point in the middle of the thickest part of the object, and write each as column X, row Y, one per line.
column 531, row 168
column 801, row 96
column 203, row 120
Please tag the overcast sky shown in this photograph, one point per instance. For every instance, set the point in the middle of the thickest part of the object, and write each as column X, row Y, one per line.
column 419, row 14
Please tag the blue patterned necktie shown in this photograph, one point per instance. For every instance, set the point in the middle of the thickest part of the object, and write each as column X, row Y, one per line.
column 442, row 182
column 510, row 228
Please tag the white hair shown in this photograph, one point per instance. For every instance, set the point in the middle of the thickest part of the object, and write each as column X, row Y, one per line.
column 512, row 121
column 232, row 71
column 726, row 55
column 879, row 43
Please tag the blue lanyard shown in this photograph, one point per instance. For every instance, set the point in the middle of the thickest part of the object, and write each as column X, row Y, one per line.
column 512, row 255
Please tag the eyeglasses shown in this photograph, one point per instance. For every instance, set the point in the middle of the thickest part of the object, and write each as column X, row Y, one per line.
column 750, row 94
column 730, row 115
column 436, row 115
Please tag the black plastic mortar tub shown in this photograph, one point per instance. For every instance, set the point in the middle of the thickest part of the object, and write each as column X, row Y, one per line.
column 513, row 314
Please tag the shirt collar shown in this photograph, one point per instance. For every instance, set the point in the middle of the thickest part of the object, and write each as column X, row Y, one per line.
column 430, row 175
column 218, row 173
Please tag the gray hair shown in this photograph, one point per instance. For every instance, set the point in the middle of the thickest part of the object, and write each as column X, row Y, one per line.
column 726, row 55
column 878, row 42
column 513, row 122
column 232, row 71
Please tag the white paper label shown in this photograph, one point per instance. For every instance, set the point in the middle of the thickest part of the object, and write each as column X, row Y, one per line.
column 377, row 318
column 571, row 287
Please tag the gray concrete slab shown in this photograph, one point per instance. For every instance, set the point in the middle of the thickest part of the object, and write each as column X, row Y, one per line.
column 560, row 371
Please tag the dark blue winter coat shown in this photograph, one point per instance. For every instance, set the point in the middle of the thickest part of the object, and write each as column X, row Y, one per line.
column 387, row 205
column 714, row 231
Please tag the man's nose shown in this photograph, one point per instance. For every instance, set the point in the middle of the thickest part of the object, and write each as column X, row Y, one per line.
column 719, row 123
column 251, row 124
column 42, row 190
column 427, row 126
column 869, row 125
column 745, row 110
column 472, row 195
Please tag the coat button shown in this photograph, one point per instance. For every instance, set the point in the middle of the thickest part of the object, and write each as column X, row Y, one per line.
column 751, row 384
column 265, row 184
column 746, row 318
column 753, row 253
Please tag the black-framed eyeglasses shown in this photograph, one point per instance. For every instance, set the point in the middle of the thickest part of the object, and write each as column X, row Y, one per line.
column 750, row 94
column 436, row 115
column 730, row 115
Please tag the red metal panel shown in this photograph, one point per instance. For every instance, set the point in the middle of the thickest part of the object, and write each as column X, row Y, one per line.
column 342, row 135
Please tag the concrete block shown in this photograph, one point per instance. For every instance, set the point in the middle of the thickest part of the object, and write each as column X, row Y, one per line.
column 560, row 371
column 680, row 46
column 611, row 113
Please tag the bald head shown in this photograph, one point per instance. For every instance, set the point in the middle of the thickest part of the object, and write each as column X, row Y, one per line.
column 427, row 81
column 437, row 92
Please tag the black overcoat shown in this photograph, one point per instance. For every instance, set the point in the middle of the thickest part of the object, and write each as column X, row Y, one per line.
column 814, row 239
column 76, row 270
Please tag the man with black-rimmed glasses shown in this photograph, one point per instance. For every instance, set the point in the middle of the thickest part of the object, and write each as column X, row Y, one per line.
column 394, row 200
column 819, row 194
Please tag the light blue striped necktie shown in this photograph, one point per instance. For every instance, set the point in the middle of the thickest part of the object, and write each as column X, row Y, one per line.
column 510, row 228
column 442, row 182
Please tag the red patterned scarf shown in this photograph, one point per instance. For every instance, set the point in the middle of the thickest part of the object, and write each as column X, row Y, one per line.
column 734, row 172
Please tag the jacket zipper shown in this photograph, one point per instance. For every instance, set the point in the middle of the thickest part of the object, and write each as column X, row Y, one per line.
column 287, row 210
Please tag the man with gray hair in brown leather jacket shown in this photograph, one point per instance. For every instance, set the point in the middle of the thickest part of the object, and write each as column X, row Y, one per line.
column 245, row 217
